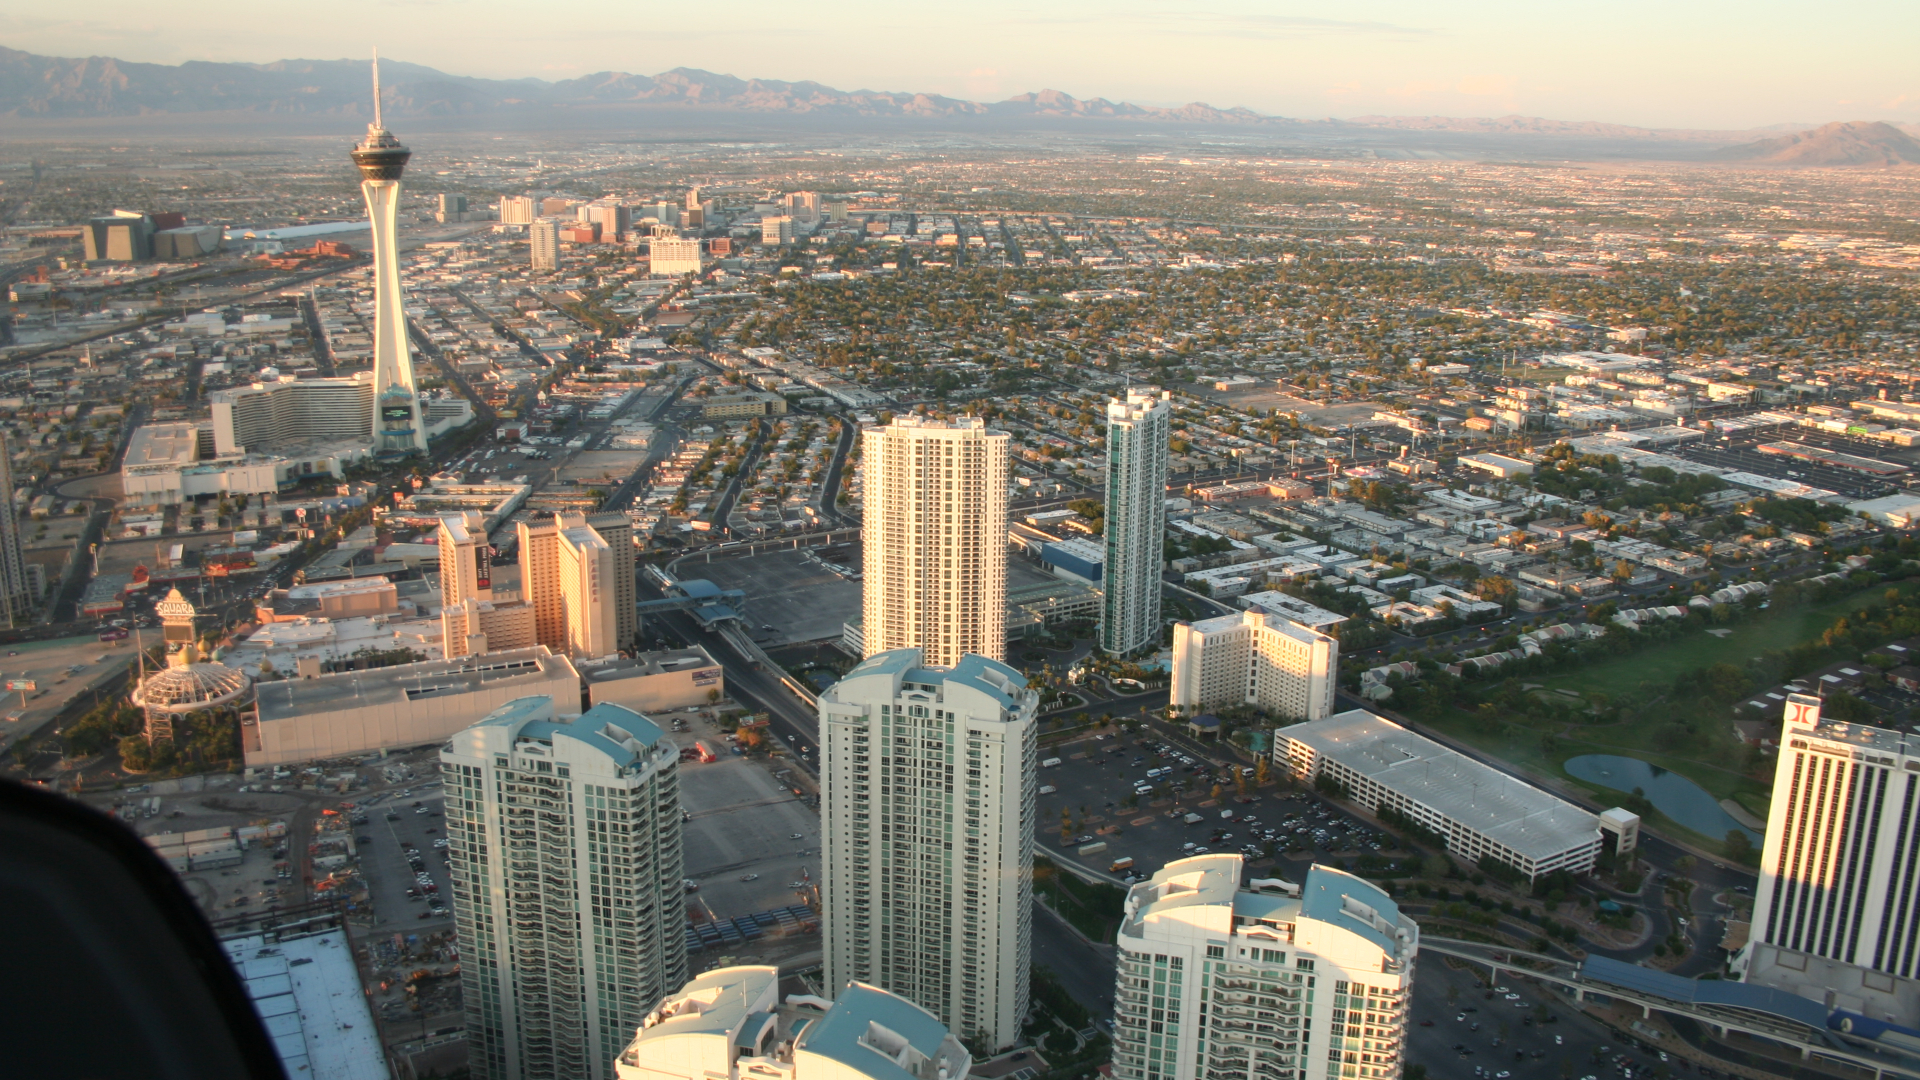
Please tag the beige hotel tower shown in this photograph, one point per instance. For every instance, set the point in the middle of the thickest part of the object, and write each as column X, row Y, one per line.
column 935, row 539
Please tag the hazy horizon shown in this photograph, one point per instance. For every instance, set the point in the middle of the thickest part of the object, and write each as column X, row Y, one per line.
column 1664, row 66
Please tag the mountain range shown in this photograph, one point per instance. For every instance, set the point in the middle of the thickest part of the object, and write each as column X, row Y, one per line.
column 34, row 87
column 1830, row 145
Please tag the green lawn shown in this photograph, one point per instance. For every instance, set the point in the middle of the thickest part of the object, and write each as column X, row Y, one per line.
column 1772, row 630
column 1519, row 739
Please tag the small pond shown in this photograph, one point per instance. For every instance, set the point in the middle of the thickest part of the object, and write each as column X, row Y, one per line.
column 1676, row 796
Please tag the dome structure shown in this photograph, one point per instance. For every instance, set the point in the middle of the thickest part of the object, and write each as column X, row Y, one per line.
column 185, row 686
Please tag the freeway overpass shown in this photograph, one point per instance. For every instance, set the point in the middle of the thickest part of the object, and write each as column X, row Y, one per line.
column 1722, row 1004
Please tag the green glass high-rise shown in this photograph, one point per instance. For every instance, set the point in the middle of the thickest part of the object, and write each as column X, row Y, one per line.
column 1137, row 434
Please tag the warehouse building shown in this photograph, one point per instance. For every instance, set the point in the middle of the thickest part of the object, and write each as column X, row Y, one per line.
column 359, row 712
column 656, row 681
column 1481, row 811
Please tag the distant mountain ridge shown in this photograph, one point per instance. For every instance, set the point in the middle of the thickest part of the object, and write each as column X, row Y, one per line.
column 1855, row 144
column 50, row 87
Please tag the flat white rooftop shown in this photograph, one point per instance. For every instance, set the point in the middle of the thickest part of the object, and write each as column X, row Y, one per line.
column 161, row 445
column 1516, row 815
column 307, row 992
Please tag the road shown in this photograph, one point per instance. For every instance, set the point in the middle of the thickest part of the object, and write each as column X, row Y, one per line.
column 666, row 440
column 482, row 412
column 747, row 683
column 829, row 498
column 722, row 508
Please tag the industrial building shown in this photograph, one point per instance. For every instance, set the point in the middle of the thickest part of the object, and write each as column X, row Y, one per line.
column 1216, row 978
column 360, row 712
column 656, row 681
column 1480, row 811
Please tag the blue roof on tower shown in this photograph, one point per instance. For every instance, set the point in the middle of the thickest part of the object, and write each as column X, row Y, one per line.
column 1324, row 897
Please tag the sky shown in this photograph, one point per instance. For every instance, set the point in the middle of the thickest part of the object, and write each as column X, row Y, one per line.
column 1653, row 63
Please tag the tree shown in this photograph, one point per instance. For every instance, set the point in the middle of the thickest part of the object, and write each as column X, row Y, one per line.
column 1739, row 845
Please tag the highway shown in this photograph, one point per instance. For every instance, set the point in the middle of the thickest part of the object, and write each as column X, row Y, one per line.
column 755, row 688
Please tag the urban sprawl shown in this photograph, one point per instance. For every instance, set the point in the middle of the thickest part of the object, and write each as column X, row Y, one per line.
column 918, row 608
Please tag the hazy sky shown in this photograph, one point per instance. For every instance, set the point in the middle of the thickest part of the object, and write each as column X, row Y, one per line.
column 1670, row 63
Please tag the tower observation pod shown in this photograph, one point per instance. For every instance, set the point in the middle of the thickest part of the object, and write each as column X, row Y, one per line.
column 397, row 427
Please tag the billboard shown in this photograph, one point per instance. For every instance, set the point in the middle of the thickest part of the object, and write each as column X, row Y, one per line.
column 22, row 685
column 483, row 566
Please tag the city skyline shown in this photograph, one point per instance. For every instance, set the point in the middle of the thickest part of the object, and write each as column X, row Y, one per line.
column 1428, row 506
column 1692, row 67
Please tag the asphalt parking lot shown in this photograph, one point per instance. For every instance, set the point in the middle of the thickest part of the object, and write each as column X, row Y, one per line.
column 394, row 824
column 790, row 590
column 1096, row 776
column 1461, row 1029
column 742, row 826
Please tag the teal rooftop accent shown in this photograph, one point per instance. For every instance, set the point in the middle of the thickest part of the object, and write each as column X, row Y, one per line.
column 1340, row 899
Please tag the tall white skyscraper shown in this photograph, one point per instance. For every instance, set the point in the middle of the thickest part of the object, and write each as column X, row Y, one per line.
column 1254, row 659
column 929, row 780
column 1267, row 979
column 564, row 839
column 1840, row 865
column 397, row 426
column 934, row 539
column 543, row 236
column 1137, row 434
column 16, row 589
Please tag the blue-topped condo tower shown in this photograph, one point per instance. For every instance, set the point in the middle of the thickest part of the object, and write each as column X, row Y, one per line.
column 1265, row 978
column 564, row 839
column 929, row 778
column 730, row 1024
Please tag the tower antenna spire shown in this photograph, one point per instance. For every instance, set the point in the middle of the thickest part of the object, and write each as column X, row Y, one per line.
column 376, row 88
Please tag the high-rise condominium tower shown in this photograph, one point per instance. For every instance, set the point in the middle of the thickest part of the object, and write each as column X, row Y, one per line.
column 16, row 590
column 1137, row 433
column 1294, row 982
column 1840, row 866
column 1254, row 659
column 397, row 426
column 929, row 780
column 934, row 542
column 544, row 235
column 729, row 1024
column 564, row 840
